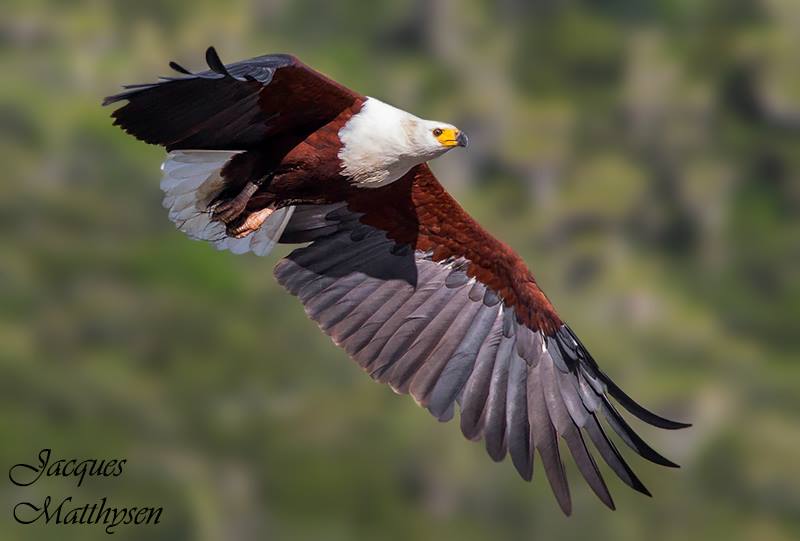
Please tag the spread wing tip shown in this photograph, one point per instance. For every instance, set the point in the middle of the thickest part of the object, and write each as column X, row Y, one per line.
column 571, row 345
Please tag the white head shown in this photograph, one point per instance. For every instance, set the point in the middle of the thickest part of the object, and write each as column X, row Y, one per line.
column 381, row 143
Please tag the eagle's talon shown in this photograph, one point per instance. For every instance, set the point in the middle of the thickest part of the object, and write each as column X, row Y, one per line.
column 227, row 211
column 249, row 224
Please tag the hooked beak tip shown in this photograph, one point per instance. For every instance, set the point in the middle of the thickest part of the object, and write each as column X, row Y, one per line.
column 462, row 139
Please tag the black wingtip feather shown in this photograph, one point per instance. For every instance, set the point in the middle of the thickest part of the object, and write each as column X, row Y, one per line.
column 612, row 456
column 631, row 438
column 637, row 409
column 214, row 62
column 180, row 69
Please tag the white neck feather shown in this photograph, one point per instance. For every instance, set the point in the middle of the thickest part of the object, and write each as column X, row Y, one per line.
column 382, row 143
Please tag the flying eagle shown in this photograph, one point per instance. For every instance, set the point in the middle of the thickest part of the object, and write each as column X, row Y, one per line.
column 269, row 150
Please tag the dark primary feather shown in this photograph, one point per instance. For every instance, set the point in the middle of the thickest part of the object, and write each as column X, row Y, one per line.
column 427, row 328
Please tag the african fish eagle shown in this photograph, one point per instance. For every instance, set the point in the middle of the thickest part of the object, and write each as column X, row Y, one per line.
column 269, row 150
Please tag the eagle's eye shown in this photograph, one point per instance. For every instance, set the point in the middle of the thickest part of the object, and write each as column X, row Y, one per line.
column 437, row 132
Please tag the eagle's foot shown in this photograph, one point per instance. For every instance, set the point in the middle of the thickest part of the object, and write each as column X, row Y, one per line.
column 228, row 210
column 250, row 223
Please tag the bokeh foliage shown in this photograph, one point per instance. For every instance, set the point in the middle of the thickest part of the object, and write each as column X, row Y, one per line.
column 643, row 157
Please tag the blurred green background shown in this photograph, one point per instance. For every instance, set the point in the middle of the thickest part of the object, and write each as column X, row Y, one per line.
column 643, row 157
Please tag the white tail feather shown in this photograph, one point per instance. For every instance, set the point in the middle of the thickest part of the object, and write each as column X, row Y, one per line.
column 191, row 181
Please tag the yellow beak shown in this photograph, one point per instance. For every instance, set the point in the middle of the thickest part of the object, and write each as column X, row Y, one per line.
column 451, row 137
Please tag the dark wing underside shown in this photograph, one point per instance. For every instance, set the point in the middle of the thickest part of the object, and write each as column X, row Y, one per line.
column 426, row 328
column 231, row 107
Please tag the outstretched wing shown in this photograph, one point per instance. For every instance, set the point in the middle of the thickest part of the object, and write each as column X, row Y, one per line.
column 226, row 127
column 425, row 300
column 233, row 107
